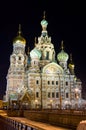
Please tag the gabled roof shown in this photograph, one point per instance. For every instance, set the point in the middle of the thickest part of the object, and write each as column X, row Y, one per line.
column 25, row 97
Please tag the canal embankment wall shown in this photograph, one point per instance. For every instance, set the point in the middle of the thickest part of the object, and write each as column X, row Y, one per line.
column 69, row 119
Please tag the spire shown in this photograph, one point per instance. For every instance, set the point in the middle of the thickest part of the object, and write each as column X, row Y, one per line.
column 71, row 60
column 28, row 51
column 35, row 41
column 62, row 45
column 44, row 15
column 19, row 31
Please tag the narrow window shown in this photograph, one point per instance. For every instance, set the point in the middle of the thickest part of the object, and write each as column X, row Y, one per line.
column 53, row 94
column 66, row 83
column 48, row 82
column 37, row 82
column 52, row 82
column 57, row 95
column 56, row 82
column 66, row 95
column 47, row 56
column 37, row 94
column 48, row 94
column 19, row 58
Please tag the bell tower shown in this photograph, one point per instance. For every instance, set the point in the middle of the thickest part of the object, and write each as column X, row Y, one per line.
column 16, row 72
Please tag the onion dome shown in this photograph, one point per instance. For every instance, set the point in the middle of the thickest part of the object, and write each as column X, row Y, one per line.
column 35, row 53
column 71, row 64
column 62, row 56
column 44, row 23
column 19, row 38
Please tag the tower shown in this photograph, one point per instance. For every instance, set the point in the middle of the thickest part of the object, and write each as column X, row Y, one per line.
column 16, row 72
column 45, row 45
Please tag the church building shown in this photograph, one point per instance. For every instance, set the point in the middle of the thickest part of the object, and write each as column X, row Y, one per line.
column 38, row 79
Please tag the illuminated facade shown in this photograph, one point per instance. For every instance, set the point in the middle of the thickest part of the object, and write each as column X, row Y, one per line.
column 38, row 79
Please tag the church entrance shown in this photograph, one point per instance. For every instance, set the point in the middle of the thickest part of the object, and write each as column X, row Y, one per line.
column 25, row 101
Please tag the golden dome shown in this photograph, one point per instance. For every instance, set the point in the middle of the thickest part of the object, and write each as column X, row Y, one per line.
column 19, row 38
column 71, row 66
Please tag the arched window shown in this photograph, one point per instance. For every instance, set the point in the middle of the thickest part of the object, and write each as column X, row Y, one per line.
column 57, row 95
column 48, row 94
column 47, row 55
column 67, row 95
column 37, row 94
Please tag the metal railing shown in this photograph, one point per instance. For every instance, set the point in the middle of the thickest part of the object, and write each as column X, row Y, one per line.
column 10, row 124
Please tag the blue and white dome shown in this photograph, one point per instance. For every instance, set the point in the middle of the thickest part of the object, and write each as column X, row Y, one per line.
column 35, row 53
column 44, row 23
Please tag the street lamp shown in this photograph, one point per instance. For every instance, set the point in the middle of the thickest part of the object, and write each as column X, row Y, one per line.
column 77, row 95
column 36, row 103
column 67, row 104
column 51, row 101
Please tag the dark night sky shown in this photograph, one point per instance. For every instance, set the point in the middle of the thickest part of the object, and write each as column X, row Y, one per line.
column 66, row 22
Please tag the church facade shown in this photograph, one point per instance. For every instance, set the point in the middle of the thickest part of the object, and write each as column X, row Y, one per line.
column 38, row 79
